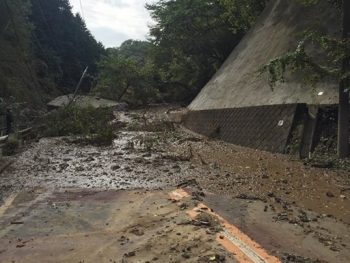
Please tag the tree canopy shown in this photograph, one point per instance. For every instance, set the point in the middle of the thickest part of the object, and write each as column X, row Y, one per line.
column 44, row 49
column 127, row 73
column 62, row 43
column 49, row 47
column 16, row 76
column 192, row 39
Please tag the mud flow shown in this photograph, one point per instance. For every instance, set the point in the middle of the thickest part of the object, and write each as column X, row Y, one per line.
column 160, row 193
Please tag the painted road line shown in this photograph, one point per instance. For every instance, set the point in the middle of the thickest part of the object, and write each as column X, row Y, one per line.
column 247, row 251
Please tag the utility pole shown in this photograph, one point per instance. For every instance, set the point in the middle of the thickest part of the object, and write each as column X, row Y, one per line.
column 78, row 86
column 343, row 111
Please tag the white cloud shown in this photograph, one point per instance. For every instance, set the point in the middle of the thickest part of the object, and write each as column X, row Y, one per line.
column 114, row 21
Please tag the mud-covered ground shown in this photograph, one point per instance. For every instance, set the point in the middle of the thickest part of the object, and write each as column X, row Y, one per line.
column 299, row 213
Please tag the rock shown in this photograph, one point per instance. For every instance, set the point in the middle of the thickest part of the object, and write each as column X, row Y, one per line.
column 183, row 206
column 270, row 194
column 139, row 160
column 281, row 217
column 330, row 194
column 186, row 255
column 89, row 159
column 265, row 176
column 137, row 232
column 128, row 169
column 79, row 169
column 130, row 254
column 63, row 166
column 115, row 167
column 303, row 217
column 247, row 197
column 190, row 182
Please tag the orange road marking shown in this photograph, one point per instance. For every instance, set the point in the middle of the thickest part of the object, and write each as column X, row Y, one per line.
column 243, row 248
column 237, row 253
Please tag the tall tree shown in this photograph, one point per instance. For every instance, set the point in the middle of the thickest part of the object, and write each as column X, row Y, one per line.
column 16, row 76
column 192, row 38
column 63, row 43
column 127, row 73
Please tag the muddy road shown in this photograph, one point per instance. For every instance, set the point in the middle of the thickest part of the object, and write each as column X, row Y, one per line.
column 296, row 213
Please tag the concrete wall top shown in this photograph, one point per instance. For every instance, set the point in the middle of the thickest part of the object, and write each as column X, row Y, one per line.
column 238, row 83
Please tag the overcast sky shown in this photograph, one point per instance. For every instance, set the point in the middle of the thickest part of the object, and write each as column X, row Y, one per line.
column 114, row 21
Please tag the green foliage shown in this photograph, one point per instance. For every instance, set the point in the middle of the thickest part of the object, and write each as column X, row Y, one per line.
column 242, row 14
column 43, row 46
column 93, row 124
column 10, row 146
column 127, row 73
column 62, row 44
column 188, row 43
column 192, row 39
column 17, row 78
column 313, row 66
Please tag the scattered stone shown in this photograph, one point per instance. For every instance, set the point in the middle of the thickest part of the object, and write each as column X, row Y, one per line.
column 212, row 258
column 330, row 194
column 303, row 217
column 128, row 169
column 281, row 217
column 137, row 232
column 190, row 182
column 130, row 254
column 79, row 169
column 186, row 255
column 248, row 197
column 63, row 166
column 89, row 159
column 270, row 194
column 115, row 167
column 289, row 258
column 20, row 245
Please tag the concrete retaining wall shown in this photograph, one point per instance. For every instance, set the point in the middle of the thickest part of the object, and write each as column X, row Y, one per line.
column 264, row 127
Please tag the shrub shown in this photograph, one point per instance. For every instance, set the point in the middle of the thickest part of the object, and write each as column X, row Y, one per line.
column 94, row 125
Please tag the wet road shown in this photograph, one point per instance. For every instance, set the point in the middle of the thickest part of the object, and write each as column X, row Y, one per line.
column 297, row 213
